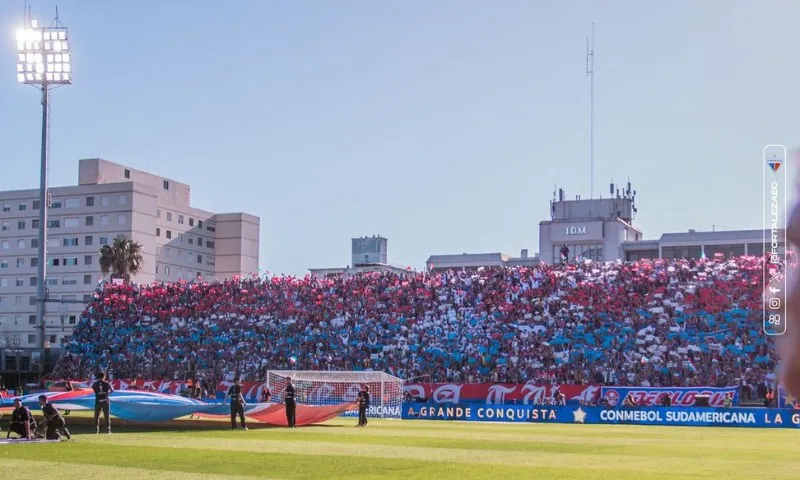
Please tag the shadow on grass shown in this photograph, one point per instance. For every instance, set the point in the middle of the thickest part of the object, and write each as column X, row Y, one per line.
column 86, row 426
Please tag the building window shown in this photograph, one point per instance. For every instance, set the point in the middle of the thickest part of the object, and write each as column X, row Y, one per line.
column 121, row 219
column 87, row 260
column 35, row 205
column 31, row 319
column 694, row 252
column 199, row 259
column 158, row 232
column 33, row 281
column 31, row 341
column 211, row 228
column 87, row 297
column 5, row 245
column 166, row 185
column 156, row 269
column 169, row 216
column 123, row 199
column 3, row 263
column 87, row 279
column 199, row 242
column 166, row 271
column 3, row 282
column 90, row 201
column 167, row 252
column 71, row 222
column 103, row 240
column 180, row 219
column 127, row 173
column 210, row 244
column 191, row 222
column 104, row 220
column 105, row 201
column 158, row 213
column 89, row 220
column 5, row 226
column 53, row 262
column 72, row 203
column 20, row 282
column 70, row 261
column 191, row 241
column 6, row 207
column 21, row 243
column 56, row 223
column 53, row 242
column 200, row 224
column 32, row 301
column 88, row 240
column 69, row 281
column 23, row 206
column 35, row 223
column 756, row 249
column 55, row 204
column 21, row 225
column 52, row 281
column 169, row 234
column 34, row 262
column 20, row 263
column 34, row 243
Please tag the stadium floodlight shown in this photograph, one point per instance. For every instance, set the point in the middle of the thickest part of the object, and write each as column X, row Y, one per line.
column 43, row 55
column 44, row 59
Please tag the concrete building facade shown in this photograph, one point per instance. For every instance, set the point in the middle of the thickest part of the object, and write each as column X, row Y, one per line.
column 179, row 242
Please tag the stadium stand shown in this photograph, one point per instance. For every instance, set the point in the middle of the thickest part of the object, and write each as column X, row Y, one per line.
column 661, row 323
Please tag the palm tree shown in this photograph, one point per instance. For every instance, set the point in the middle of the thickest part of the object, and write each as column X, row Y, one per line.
column 123, row 258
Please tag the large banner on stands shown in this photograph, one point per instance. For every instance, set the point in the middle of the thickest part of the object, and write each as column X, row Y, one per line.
column 499, row 393
column 666, row 416
column 679, row 396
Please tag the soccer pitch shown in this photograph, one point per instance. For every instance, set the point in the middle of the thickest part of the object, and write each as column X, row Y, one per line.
column 411, row 450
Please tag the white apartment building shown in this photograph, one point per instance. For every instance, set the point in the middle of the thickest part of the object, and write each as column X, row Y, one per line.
column 179, row 242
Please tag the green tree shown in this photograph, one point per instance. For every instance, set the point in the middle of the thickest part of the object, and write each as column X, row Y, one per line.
column 122, row 259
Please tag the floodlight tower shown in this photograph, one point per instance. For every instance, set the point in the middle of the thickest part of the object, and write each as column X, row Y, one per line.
column 43, row 60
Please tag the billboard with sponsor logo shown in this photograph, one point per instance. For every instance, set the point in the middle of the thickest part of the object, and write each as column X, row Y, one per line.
column 673, row 416
column 500, row 393
column 679, row 396
column 572, row 233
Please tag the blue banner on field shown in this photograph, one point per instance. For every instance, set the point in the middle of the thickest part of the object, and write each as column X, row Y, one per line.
column 679, row 396
column 676, row 416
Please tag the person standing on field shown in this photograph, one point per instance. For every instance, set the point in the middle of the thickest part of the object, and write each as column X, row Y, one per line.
column 363, row 404
column 102, row 401
column 237, row 403
column 289, row 401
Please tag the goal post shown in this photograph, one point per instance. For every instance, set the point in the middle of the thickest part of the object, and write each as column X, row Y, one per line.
column 314, row 387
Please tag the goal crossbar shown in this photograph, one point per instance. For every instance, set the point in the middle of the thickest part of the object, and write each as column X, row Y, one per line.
column 322, row 387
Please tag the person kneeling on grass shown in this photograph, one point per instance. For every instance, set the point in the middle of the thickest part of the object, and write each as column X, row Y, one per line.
column 53, row 420
column 22, row 421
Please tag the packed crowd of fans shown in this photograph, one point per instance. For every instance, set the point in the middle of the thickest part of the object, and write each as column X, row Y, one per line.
column 657, row 323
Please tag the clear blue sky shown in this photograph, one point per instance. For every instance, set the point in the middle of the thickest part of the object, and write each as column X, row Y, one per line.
column 441, row 125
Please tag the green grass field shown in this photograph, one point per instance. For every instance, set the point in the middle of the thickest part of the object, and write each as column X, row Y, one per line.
column 413, row 450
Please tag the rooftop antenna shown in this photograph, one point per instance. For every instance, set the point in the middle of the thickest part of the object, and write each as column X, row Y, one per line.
column 590, row 74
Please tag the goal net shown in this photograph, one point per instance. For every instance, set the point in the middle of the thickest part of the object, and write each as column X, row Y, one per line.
column 330, row 388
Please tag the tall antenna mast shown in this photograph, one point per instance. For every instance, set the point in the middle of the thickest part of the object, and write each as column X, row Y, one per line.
column 590, row 74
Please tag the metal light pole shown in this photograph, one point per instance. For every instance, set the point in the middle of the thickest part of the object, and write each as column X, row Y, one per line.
column 44, row 62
